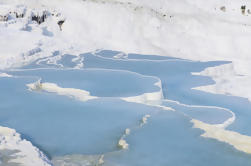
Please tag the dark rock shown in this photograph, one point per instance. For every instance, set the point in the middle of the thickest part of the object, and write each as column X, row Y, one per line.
column 39, row 19
column 243, row 9
column 60, row 23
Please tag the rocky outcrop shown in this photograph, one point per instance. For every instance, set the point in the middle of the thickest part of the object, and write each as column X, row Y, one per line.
column 39, row 18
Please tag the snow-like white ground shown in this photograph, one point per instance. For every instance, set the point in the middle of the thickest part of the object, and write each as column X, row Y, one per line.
column 228, row 82
column 23, row 151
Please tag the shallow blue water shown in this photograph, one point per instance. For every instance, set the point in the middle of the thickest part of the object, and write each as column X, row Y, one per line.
column 102, row 83
column 112, row 54
column 210, row 115
column 171, row 72
column 59, row 125
column 177, row 82
column 169, row 139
